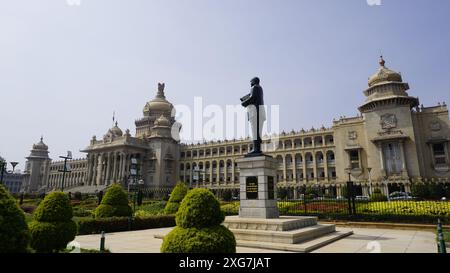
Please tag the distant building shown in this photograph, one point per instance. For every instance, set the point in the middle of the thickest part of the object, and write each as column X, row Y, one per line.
column 393, row 143
column 37, row 168
column 13, row 181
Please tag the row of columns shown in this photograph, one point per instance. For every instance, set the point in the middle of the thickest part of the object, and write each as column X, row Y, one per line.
column 189, row 173
column 107, row 168
column 265, row 147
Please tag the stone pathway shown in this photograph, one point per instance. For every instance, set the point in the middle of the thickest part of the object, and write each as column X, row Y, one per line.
column 364, row 240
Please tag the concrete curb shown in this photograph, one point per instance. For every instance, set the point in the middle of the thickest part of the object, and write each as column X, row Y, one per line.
column 385, row 225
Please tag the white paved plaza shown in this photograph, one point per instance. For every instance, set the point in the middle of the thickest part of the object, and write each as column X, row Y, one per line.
column 364, row 240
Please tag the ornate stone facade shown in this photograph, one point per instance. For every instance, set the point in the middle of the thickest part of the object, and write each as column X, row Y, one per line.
column 393, row 141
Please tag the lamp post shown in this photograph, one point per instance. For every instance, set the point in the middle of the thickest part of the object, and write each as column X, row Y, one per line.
column 66, row 169
column 14, row 164
column 370, row 181
column 350, row 197
column 3, row 165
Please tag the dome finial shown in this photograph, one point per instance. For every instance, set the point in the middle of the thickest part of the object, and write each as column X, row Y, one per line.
column 42, row 138
column 382, row 61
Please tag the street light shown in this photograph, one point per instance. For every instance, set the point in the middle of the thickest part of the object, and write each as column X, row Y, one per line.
column 14, row 164
column 66, row 168
column 3, row 165
column 350, row 194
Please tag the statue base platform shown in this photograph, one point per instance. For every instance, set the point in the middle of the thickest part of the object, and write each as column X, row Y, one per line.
column 297, row 234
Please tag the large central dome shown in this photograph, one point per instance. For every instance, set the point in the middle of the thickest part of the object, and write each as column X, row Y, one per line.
column 159, row 103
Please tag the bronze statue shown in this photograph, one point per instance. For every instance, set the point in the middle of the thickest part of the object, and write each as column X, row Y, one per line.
column 254, row 102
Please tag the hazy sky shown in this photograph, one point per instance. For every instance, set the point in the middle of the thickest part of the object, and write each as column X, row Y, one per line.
column 64, row 69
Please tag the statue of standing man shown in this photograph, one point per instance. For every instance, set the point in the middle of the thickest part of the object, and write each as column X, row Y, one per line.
column 254, row 102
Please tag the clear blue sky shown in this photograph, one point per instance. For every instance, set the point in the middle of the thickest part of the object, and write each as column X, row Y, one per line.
column 64, row 69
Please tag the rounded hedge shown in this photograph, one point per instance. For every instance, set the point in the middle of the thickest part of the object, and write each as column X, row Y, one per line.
column 53, row 227
column 200, row 208
column 114, row 203
column 217, row 239
column 52, row 236
column 177, row 195
column 14, row 232
column 171, row 208
column 104, row 211
column 115, row 196
column 56, row 207
column 378, row 197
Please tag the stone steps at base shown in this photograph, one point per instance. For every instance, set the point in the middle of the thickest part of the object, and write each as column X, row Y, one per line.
column 285, row 237
column 303, row 247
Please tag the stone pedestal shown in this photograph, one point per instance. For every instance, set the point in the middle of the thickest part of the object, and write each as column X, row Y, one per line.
column 258, row 187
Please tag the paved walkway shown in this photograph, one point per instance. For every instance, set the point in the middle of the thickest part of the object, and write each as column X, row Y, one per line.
column 364, row 240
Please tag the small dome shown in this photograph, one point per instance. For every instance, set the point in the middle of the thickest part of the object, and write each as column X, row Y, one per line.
column 40, row 145
column 115, row 131
column 384, row 75
column 159, row 103
column 162, row 121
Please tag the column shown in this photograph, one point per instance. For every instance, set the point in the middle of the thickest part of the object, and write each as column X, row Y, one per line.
column 122, row 166
column 108, row 168
column 284, row 166
column 210, row 172
column 294, row 167
column 380, row 149
column 225, row 175
column 315, row 167
column 233, row 172
column 325, row 164
column 305, row 177
column 89, row 169
column 402, row 157
column 99, row 169
column 94, row 170
column 114, row 177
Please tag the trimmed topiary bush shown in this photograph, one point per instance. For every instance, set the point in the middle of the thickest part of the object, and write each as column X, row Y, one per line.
column 14, row 233
column 199, row 228
column 53, row 227
column 114, row 203
column 177, row 195
column 217, row 239
column 201, row 209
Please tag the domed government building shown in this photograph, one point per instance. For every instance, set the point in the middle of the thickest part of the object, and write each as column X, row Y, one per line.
column 393, row 143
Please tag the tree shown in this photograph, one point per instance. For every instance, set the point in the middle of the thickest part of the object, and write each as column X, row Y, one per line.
column 14, row 232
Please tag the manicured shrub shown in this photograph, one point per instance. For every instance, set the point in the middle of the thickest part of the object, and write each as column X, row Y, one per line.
column 114, row 203
column 378, row 197
column 200, row 208
column 177, row 195
column 217, row 239
column 14, row 233
column 52, row 236
column 154, row 208
column 116, row 224
column 199, row 228
column 53, row 227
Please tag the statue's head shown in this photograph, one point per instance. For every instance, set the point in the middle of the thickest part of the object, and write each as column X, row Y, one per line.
column 254, row 81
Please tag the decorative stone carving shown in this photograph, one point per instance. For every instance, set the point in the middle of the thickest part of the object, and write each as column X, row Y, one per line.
column 435, row 126
column 388, row 121
column 352, row 135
